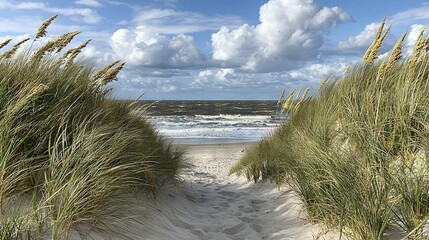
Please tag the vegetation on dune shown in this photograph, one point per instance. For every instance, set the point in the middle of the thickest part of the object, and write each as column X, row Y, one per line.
column 67, row 151
column 356, row 152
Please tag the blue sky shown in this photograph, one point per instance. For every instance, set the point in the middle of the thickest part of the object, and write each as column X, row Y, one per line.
column 218, row 49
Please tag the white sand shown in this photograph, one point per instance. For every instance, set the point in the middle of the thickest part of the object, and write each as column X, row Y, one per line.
column 209, row 204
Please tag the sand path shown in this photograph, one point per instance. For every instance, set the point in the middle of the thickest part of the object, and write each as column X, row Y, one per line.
column 206, row 203
column 209, row 204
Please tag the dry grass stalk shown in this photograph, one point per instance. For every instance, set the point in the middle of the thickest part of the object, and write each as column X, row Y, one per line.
column 287, row 104
column 347, row 70
column 136, row 101
column 103, row 71
column 65, row 40
column 426, row 44
column 41, row 32
column 56, row 45
column 382, row 70
column 106, row 91
column 111, row 75
column 377, row 36
column 323, row 82
column 75, row 51
column 376, row 48
column 3, row 44
column 396, row 54
column 305, row 93
column 419, row 47
column 37, row 91
column 296, row 102
column 281, row 98
column 15, row 48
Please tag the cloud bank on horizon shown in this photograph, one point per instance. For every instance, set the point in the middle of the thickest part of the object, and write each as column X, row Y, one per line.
column 189, row 49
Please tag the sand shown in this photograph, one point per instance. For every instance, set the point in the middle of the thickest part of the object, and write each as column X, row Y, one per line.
column 206, row 203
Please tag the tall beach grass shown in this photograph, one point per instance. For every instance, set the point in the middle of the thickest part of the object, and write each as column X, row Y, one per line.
column 68, row 151
column 356, row 151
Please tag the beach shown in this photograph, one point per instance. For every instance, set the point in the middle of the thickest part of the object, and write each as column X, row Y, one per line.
column 206, row 203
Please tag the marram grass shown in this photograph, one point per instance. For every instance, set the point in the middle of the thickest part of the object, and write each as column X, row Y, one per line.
column 67, row 151
column 357, row 151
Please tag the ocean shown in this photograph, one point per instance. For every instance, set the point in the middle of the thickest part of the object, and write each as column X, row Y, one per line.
column 213, row 122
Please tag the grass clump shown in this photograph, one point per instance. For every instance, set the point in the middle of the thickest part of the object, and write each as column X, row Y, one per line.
column 356, row 151
column 67, row 151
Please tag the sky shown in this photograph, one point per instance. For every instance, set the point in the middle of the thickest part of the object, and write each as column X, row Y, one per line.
column 218, row 49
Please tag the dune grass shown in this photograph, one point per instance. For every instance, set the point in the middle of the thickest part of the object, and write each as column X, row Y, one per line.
column 68, row 151
column 356, row 152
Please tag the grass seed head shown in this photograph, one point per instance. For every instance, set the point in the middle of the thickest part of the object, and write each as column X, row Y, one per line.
column 419, row 47
column 15, row 48
column 288, row 102
column 74, row 52
column 381, row 70
column 377, row 36
column 3, row 44
column 41, row 32
column 305, row 93
column 323, row 82
column 396, row 54
column 111, row 75
column 104, row 70
column 281, row 98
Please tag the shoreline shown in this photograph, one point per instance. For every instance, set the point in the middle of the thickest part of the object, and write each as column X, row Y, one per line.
column 209, row 141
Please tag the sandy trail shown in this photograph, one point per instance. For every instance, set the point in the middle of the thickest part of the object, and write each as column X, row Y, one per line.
column 208, row 204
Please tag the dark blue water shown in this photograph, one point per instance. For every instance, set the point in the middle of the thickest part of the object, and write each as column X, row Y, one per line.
column 210, row 122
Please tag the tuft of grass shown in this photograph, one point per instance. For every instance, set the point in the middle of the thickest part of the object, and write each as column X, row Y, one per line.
column 66, row 147
column 356, row 153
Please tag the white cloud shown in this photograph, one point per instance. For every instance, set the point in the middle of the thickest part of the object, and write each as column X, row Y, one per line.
column 166, row 87
column 90, row 3
column 410, row 15
column 86, row 15
column 289, row 30
column 21, row 5
column 170, row 21
column 19, row 24
column 315, row 73
column 140, row 48
column 357, row 44
column 216, row 78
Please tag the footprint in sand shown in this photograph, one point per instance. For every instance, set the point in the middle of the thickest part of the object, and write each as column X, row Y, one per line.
column 256, row 227
column 235, row 229
column 227, row 193
column 257, row 201
column 250, row 220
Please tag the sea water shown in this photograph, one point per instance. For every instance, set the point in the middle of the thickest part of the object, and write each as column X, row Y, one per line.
column 211, row 122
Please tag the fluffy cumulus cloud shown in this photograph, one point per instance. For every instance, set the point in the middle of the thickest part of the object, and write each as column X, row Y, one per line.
column 140, row 48
column 316, row 72
column 357, row 45
column 218, row 78
column 289, row 30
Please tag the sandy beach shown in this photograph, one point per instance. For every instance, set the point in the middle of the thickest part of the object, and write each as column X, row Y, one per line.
column 206, row 203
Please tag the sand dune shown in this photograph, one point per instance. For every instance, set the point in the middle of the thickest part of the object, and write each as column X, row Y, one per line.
column 208, row 204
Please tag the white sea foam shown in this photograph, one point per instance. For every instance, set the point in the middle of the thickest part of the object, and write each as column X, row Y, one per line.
column 222, row 126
